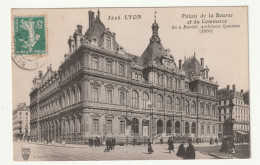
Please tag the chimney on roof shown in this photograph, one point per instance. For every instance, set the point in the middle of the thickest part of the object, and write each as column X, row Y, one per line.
column 180, row 64
column 40, row 74
column 228, row 87
column 91, row 17
column 242, row 91
column 234, row 88
column 202, row 62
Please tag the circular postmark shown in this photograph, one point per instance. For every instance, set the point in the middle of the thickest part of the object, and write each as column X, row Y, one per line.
column 29, row 46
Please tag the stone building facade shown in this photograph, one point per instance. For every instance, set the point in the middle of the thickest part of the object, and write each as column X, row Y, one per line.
column 21, row 122
column 232, row 106
column 101, row 90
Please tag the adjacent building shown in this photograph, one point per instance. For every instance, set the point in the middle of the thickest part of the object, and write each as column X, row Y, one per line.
column 232, row 106
column 21, row 122
column 102, row 90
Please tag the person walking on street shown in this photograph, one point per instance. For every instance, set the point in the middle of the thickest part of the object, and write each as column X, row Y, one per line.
column 181, row 151
column 161, row 141
column 134, row 142
column 232, row 150
column 190, row 151
column 113, row 143
column 107, row 146
column 150, row 149
column 171, row 146
column 216, row 141
column 110, row 144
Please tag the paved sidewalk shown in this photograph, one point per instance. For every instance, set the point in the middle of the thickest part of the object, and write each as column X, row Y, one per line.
column 242, row 151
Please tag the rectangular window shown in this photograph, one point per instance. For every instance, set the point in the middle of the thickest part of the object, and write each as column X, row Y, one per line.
column 95, row 126
column 108, row 42
column 95, row 93
column 26, row 113
column 122, row 127
column 109, row 126
column 109, row 66
column 109, row 96
column 208, row 130
column 121, row 70
column 122, row 98
column 95, row 63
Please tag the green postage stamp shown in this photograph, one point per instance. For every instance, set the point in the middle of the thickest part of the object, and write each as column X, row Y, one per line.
column 29, row 36
column 29, row 46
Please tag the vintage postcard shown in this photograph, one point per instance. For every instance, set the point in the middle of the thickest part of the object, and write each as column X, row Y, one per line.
column 130, row 83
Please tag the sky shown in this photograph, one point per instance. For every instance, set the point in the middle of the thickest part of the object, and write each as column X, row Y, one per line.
column 225, row 50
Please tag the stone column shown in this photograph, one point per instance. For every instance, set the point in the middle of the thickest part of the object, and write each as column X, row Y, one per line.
column 140, row 127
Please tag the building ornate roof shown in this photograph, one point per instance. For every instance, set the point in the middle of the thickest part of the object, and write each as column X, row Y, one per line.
column 97, row 29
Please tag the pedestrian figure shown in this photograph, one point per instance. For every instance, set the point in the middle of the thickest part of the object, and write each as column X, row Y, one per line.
column 171, row 146
column 107, row 146
column 89, row 142
column 150, row 149
column 134, row 141
column 113, row 141
column 110, row 144
column 181, row 151
column 216, row 141
column 197, row 140
column 190, row 151
column 96, row 139
column 232, row 151
column 161, row 141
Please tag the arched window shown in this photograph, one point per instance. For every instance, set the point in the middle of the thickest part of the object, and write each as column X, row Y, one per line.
column 186, row 107
column 135, row 126
column 177, row 127
column 145, row 100
column 169, row 127
column 169, row 103
column 187, row 127
column 135, row 98
column 159, row 102
column 193, row 108
column 177, row 105
column 159, row 126
column 193, row 128
column 109, row 66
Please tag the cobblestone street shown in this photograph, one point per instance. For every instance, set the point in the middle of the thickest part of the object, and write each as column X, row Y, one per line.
column 45, row 152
